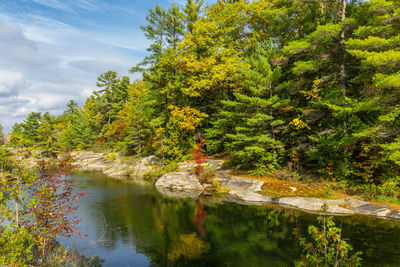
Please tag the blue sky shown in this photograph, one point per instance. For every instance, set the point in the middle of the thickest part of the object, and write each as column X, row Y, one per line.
column 52, row 51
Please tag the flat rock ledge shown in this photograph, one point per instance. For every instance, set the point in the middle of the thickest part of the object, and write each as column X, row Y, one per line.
column 116, row 168
column 245, row 191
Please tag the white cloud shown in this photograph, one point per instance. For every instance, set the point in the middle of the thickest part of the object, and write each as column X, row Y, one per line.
column 54, row 4
column 88, row 5
column 46, row 30
column 71, row 6
column 44, row 63
column 9, row 81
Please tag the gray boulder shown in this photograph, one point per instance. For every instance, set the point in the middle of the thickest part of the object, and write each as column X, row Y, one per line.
column 179, row 182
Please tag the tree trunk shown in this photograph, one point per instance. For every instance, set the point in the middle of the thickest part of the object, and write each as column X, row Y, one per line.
column 342, row 73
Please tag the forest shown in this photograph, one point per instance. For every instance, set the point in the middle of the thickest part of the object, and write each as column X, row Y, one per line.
column 312, row 87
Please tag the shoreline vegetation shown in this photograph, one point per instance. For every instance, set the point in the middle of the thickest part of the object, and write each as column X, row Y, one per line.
column 216, row 180
column 36, row 208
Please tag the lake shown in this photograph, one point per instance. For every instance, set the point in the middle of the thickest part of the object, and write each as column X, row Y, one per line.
column 132, row 224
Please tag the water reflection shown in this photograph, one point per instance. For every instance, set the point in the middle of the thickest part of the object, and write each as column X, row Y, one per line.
column 133, row 225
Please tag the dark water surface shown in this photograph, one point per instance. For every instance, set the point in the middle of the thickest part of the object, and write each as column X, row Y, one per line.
column 133, row 225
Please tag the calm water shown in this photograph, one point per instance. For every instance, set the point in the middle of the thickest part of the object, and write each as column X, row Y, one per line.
column 133, row 225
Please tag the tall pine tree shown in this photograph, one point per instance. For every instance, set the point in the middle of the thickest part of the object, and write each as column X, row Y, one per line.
column 192, row 11
column 255, row 115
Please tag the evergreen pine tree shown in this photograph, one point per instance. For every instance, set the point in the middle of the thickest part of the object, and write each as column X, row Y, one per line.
column 254, row 142
column 156, row 32
column 46, row 131
column 29, row 129
column 175, row 25
column 192, row 10
column 376, row 44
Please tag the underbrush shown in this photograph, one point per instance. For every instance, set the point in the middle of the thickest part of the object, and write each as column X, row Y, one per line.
column 157, row 172
column 388, row 191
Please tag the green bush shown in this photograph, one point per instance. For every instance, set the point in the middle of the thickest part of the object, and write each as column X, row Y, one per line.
column 390, row 188
column 16, row 246
column 327, row 248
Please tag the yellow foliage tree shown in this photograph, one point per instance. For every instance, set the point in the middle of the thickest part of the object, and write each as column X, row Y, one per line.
column 181, row 126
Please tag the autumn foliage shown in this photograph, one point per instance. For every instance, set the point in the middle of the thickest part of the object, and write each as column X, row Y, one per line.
column 36, row 208
column 53, row 205
column 199, row 157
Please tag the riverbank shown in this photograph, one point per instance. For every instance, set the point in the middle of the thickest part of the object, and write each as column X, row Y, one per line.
column 250, row 191
column 233, row 187
column 216, row 180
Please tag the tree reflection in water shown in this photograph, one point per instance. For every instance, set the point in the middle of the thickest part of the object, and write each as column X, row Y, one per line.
column 183, row 232
column 200, row 218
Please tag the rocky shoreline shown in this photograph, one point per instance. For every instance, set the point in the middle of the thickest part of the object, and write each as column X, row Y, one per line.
column 241, row 190
column 114, row 166
column 245, row 191
column 238, row 189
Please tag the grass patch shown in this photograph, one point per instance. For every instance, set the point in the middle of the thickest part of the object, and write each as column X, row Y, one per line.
column 281, row 188
column 291, row 185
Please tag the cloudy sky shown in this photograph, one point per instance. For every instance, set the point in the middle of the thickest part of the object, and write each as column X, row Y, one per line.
column 52, row 51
